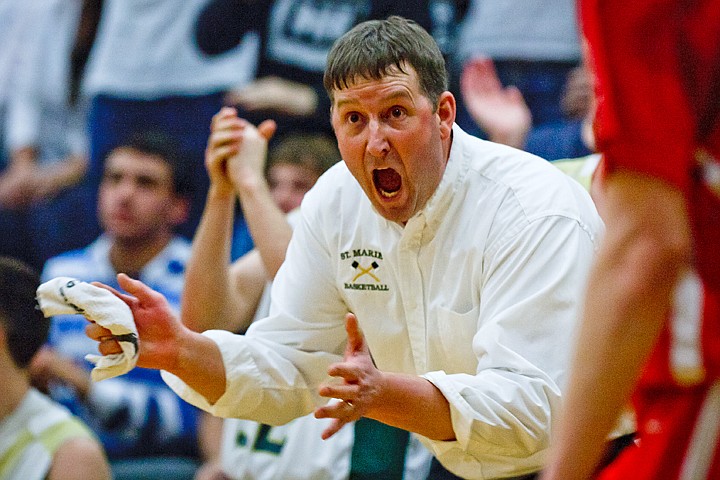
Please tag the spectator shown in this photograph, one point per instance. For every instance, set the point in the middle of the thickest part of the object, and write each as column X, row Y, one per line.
column 45, row 134
column 534, row 46
column 650, row 322
column 505, row 117
column 40, row 439
column 418, row 236
column 295, row 37
column 250, row 449
column 143, row 197
column 144, row 73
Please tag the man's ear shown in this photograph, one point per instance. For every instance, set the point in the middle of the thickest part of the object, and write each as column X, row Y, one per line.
column 3, row 336
column 180, row 210
column 446, row 111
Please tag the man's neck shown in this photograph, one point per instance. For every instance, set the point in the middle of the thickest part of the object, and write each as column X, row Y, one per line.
column 15, row 386
column 131, row 257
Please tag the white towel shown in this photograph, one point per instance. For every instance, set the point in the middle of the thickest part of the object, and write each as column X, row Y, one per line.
column 65, row 295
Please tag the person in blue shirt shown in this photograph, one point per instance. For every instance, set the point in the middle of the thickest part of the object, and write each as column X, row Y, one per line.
column 142, row 197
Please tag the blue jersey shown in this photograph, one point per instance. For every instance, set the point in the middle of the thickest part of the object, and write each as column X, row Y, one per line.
column 134, row 414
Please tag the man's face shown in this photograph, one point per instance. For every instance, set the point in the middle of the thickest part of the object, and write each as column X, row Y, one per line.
column 136, row 199
column 289, row 183
column 392, row 141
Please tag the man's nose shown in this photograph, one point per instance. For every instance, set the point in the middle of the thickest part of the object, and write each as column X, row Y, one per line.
column 377, row 144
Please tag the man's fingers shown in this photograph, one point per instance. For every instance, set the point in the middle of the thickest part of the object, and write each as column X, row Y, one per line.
column 267, row 129
column 341, row 392
column 125, row 298
column 348, row 372
column 109, row 346
column 356, row 339
column 136, row 288
column 107, row 343
column 334, row 427
column 97, row 332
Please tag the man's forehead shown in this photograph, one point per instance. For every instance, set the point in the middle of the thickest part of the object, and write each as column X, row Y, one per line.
column 392, row 85
column 138, row 165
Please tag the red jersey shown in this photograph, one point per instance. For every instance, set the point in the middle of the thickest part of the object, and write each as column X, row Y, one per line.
column 657, row 65
column 677, row 401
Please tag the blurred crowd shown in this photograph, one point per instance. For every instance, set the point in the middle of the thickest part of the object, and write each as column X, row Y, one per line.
column 105, row 114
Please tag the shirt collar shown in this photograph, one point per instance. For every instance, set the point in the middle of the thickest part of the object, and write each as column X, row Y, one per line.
column 436, row 208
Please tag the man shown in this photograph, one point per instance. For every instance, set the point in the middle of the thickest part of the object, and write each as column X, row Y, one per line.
column 217, row 292
column 462, row 260
column 45, row 128
column 143, row 196
column 40, row 439
column 652, row 312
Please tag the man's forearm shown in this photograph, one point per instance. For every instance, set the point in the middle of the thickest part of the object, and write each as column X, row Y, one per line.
column 415, row 404
column 268, row 225
column 200, row 365
column 207, row 292
column 628, row 299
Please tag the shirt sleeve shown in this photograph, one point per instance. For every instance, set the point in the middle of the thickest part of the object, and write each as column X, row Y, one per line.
column 502, row 415
column 272, row 372
column 222, row 24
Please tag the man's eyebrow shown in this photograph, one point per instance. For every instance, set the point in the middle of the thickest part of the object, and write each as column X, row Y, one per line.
column 392, row 96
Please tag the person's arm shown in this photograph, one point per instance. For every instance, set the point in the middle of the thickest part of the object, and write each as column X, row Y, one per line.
column 217, row 295
column 208, row 300
column 222, row 24
column 268, row 225
column 56, row 177
column 79, row 458
column 278, row 95
column 646, row 248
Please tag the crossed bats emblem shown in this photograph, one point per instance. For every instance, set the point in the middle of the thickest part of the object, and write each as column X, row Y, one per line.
column 365, row 271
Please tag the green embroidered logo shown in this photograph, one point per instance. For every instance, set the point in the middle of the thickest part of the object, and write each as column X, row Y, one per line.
column 365, row 275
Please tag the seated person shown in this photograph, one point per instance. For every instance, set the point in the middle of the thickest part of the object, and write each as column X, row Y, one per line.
column 143, row 196
column 503, row 113
column 39, row 439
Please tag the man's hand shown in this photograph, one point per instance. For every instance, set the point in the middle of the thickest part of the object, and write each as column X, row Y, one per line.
column 361, row 384
column 159, row 330
column 47, row 366
column 501, row 112
column 236, row 150
column 275, row 94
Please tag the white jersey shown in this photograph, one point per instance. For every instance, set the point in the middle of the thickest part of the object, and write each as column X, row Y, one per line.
column 479, row 293
column 295, row 451
column 30, row 436
column 146, row 50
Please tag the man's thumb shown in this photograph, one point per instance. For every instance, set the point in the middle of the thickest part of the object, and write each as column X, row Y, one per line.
column 267, row 129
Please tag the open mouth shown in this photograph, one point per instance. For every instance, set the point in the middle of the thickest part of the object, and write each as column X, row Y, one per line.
column 387, row 182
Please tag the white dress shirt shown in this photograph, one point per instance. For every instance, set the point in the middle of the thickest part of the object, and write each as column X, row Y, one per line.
column 479, row 293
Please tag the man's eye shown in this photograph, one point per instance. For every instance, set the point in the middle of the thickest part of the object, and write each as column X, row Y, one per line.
column 353, row 118
column 397, row 112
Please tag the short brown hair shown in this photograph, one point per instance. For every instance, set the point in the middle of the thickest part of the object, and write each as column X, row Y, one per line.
column 372, row 48
column 314, row 151
column 26, row 328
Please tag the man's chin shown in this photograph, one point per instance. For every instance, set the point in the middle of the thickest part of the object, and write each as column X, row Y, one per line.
column 397, row 215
